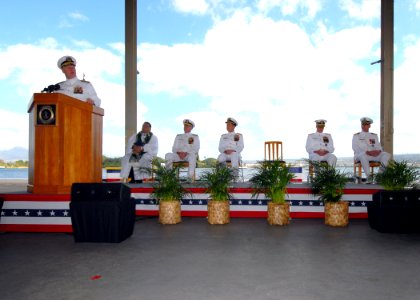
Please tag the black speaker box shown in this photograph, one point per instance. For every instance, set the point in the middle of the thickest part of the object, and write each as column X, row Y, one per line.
column 99, row 192
column 102, row 212
column 395, row 212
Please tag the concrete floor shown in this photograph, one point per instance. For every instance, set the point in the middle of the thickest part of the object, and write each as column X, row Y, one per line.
column 246, row 259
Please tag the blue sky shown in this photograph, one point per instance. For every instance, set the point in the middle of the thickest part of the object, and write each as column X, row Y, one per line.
column 274, row 65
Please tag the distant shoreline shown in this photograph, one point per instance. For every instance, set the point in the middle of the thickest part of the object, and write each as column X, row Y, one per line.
column 6, row 167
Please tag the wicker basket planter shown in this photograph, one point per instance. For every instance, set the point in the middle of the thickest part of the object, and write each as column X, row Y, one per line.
column 278, row 214
column 218, row 212
column 337, row 213
column 170, row 212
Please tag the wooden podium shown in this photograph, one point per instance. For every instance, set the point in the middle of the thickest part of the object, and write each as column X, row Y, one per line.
column 65, row 143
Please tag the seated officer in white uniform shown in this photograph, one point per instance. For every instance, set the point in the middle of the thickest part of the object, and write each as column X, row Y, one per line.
column 320, row 145
column 185, row 148
column 73, row 86
column 367, row 148
column 231, row 145
column 141, row 149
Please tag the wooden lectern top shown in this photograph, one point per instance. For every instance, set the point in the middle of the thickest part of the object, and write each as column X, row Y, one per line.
column 67, row 100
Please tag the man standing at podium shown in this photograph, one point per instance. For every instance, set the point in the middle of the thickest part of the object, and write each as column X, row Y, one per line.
column 73, row 86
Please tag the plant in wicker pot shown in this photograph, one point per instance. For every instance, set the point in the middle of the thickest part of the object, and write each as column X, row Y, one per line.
column 168, row 192
column 217, row 182
column 329, row 184
column 271, row 179
column 397, row 207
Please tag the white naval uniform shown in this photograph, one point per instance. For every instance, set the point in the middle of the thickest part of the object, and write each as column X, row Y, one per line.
column 367, row 141
column 145, row 162
column 321, row 141
column 184, row 142
column 227, row 142
column 79, row 89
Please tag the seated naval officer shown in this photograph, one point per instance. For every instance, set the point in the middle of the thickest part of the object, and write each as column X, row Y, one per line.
column 367, row 148
column 231, row 145
column 73, row 86
column 185, row 148
column 320, row 145
column 141, row 149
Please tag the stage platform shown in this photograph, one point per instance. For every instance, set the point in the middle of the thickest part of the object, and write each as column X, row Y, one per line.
column 25, row 212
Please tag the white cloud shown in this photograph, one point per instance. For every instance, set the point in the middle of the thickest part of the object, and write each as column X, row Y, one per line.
column 290, row 7
column 13, row 129
column 272, row 79
column 416, row 6
column 78, row 16
column 362, row 9
column 198, row 7
column 31, row 75
column 406, row 120
column 82, row 44
column 68, row 20
column 272, row 76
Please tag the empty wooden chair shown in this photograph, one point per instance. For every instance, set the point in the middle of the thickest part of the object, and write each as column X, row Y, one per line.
column 273, row 150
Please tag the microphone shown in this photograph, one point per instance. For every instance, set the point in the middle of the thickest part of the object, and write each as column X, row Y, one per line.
column 51, row 88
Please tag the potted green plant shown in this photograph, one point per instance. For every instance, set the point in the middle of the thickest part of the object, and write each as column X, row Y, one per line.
column 168, row 192
column 328, row 183
column 217, row 182
column 398, row 176
column 271, row 179
column 396, row 209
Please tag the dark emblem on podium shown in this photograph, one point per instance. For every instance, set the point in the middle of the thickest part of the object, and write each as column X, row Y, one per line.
column 46, row 115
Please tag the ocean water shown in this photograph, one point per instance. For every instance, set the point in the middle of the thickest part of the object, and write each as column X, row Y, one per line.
column 13, row 173
column 22, row 173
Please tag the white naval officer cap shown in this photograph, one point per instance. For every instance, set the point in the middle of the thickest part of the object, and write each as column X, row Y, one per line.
column 66, row 61
column 366, row 121
column 232, row 121
column 320, row 122
column 188, row 122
